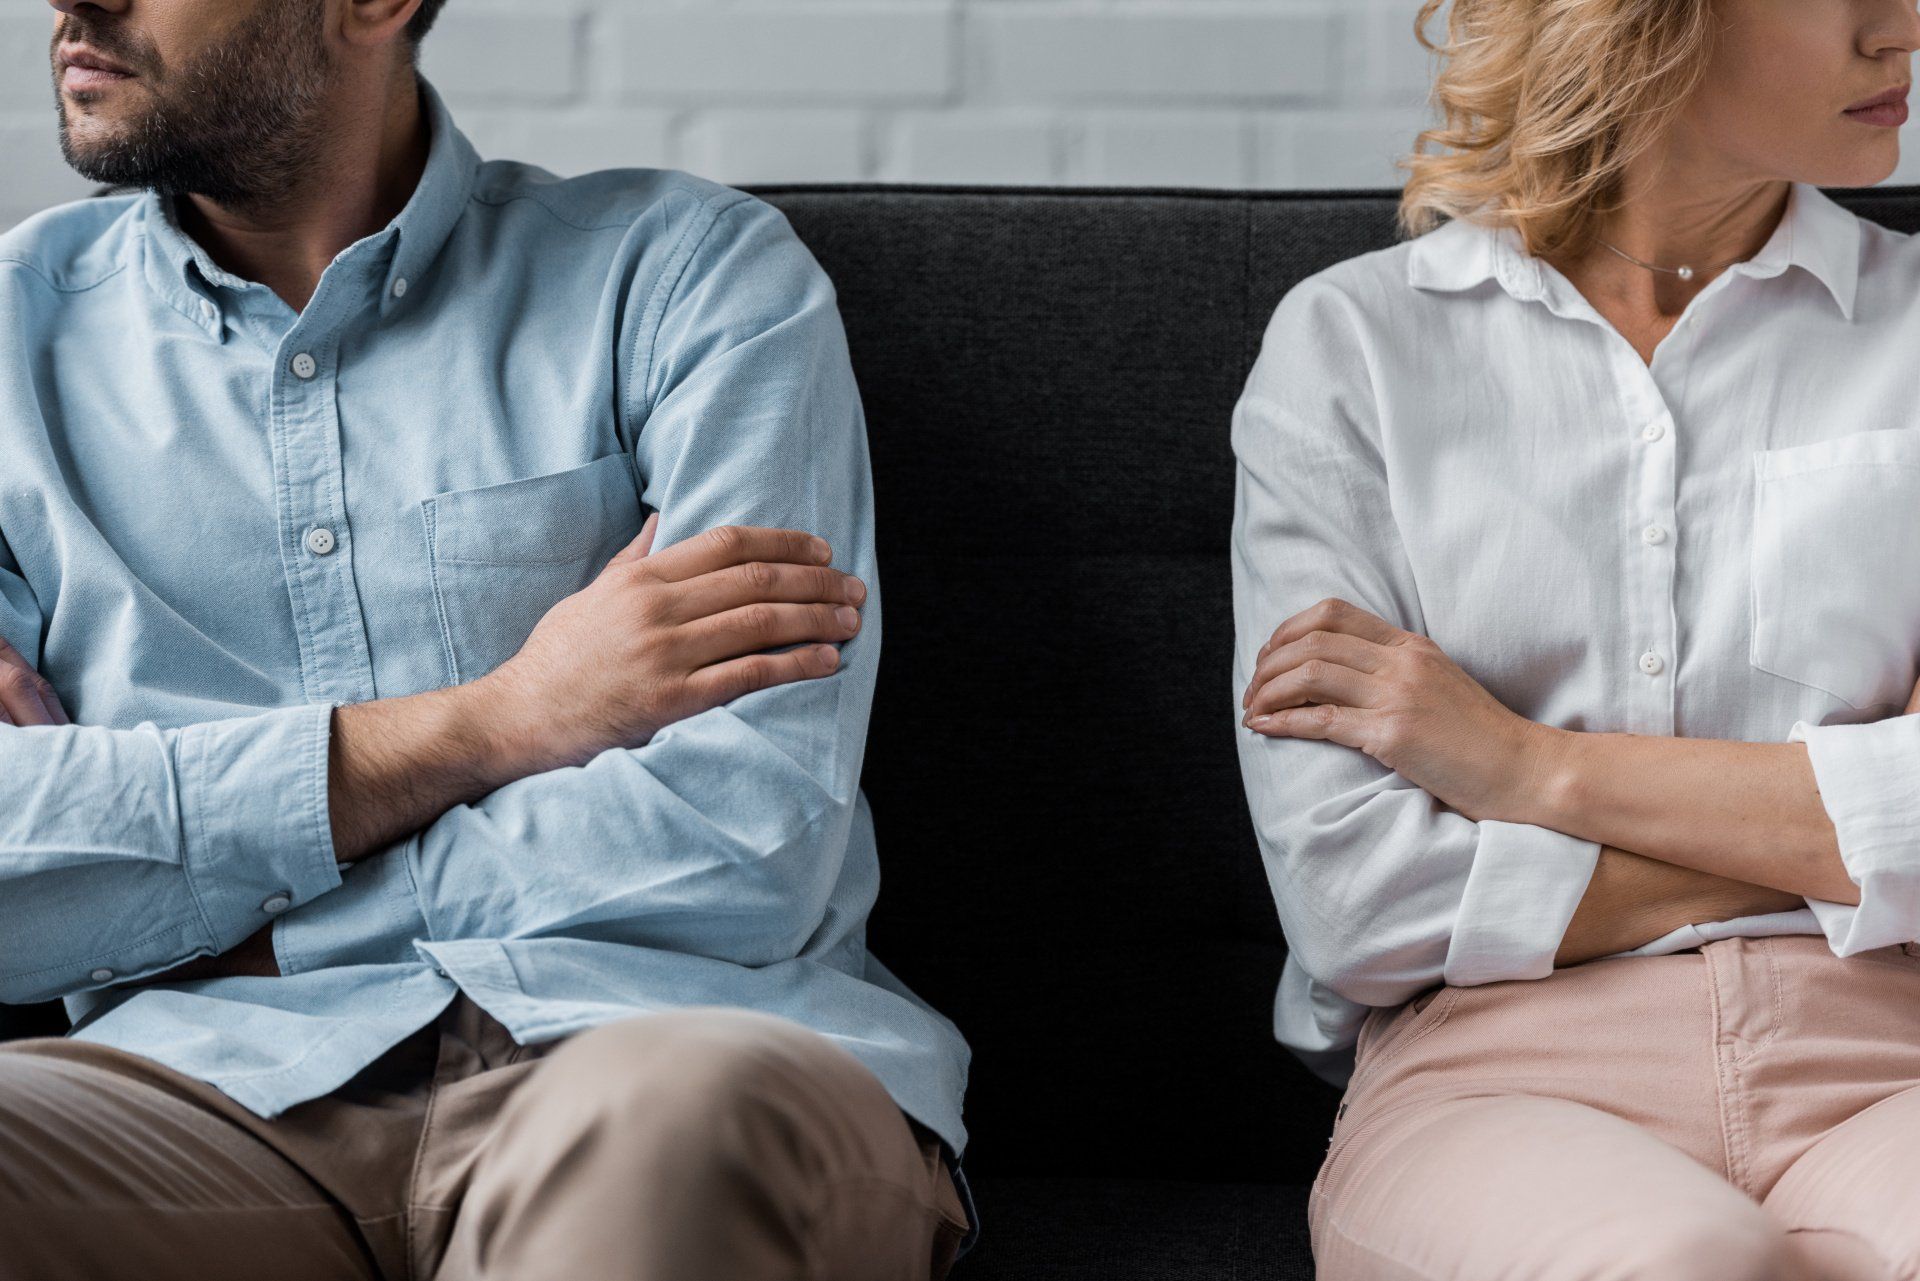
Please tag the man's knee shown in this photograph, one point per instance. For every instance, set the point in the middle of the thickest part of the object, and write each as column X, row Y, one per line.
column 708, row 1072
column 701, row 1045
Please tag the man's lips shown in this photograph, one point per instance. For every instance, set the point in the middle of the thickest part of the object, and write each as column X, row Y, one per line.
column 1888, row 109
column 85, row 68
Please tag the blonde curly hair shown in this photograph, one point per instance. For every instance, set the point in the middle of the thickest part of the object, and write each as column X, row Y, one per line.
column 1543, row 105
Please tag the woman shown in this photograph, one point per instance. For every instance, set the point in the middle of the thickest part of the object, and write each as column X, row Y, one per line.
column 1577, row 629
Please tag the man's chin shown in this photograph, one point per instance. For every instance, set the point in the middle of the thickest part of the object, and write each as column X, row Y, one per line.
column 99, row 169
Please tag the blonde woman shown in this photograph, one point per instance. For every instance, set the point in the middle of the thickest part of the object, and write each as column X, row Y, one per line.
column 1576, row 561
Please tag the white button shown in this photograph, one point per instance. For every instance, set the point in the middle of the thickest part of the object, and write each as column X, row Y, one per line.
column 437, row 970
column 209, row 310
column 1651, row 663
column 277, row 904
column 399, row 286
column 303, row 365
column 1653, row 431
column 319, row 540
column 1654, row 534
column 101, row 975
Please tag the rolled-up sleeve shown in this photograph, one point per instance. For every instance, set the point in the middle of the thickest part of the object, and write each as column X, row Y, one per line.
column 723, row 836
column 124, row 852
column 1382, row 890
column 1869, row 781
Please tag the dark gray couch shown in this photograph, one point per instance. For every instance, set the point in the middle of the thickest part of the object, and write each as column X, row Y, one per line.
column 1069, row 868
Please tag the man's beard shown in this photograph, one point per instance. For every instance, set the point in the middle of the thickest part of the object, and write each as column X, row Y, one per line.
column 241, row 125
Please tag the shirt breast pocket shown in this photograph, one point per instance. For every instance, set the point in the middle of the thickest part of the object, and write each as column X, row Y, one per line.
column 502, row 555
column 1835, row 595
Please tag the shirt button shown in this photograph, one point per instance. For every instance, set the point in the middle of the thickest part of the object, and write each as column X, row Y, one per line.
column 1651, row 663
column 101, row 975
column 1653, row 431
column 208, row 310
column 399, row 286
column 276, row 905
column 303, row 366
column 1654, row 534
column 319, row 540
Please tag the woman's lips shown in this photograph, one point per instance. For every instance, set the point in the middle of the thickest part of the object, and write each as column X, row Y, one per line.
column 1889, row 110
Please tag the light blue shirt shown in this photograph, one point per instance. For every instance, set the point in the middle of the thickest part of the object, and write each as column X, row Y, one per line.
column 220, row 519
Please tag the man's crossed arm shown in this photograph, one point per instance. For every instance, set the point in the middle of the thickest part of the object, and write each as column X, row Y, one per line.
column 655, row 638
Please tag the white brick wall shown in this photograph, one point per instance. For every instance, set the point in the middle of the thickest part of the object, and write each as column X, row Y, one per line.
column 1151, row 92
column 1269, row 93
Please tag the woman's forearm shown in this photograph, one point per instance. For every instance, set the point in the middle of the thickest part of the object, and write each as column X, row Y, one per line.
column 1744, row 811
column 1632, row 899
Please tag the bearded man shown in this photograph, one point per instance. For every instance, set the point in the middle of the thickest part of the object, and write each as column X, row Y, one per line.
column 450, row 869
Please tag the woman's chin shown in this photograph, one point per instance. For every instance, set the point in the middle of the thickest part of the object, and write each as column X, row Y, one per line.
column 1868, row 166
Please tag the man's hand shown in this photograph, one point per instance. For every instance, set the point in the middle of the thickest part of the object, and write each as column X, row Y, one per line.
column 654, row 638
column 25, row 696
column 661, row 636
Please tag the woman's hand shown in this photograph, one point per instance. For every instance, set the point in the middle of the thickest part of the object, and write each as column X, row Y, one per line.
column 1336, row 671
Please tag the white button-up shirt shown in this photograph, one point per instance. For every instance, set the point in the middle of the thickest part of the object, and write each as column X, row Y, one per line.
column 1724, row 544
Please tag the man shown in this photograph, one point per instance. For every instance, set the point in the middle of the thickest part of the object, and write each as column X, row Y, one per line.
column 449, row 874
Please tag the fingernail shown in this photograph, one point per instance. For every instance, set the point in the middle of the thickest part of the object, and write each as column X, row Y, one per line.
column 821, row 551
column 856, row 590
column 848, row 616
column 1260, row 721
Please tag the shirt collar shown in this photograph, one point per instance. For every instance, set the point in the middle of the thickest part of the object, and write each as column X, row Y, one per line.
column 1815, row 234
column 1820, row 238
column 180, row 270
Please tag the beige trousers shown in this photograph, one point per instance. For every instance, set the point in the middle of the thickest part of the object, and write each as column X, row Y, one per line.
column 703, row 1143
column 1748, row 1109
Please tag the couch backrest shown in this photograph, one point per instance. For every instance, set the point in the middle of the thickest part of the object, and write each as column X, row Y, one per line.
column 1068, row 866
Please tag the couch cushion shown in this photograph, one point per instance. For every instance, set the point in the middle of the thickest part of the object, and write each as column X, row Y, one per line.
column 1145, row 1230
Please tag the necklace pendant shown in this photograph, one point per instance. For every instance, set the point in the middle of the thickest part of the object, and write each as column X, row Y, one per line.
column 1685, row 273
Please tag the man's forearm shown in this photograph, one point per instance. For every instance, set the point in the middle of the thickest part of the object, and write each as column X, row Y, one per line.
column 393, row 767
column 1632, row 899
column 398, row 764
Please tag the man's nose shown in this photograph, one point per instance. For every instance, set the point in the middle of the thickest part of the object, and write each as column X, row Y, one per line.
column 103, row 6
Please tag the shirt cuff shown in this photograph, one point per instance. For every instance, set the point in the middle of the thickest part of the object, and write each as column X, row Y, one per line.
column 1521, row 892
column 1869, row 780
column 255, row 827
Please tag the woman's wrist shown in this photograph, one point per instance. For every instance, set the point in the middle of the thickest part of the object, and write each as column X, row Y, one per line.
column 1546, row 777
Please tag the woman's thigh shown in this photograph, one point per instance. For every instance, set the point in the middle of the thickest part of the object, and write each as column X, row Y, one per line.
column 1739, row 1057
column 1851, row 1202
column 1630, row 1036
column 1491, row 1186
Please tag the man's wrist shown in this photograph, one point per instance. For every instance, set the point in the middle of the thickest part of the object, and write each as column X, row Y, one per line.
column 493, row 720
column 396, row 765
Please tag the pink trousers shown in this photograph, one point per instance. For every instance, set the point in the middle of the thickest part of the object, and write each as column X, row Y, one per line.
column 1749, row 1109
